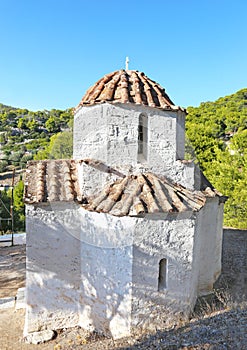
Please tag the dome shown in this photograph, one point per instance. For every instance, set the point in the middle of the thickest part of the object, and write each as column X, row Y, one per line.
column 128, row 86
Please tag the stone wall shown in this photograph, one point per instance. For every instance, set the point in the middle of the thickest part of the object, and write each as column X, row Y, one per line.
column 209, row 253
column 234, row 264
column 102, row 272
column 106, row 273
column 109, row 133
column 52, row 270
column 157, row 239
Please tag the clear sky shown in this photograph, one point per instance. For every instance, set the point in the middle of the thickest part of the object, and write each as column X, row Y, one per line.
column 52, row 51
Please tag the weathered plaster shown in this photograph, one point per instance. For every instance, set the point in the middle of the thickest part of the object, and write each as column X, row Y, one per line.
column 114, row 141
column 156, row 239
column 110, row 133
column 209, row 255
column 101, row 271
column 106, row 273
column 53, row 269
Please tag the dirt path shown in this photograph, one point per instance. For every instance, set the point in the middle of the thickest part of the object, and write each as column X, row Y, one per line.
column 12, row 270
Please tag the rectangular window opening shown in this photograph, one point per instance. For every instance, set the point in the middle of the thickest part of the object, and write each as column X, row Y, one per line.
column 162, row 282
column 142, row 137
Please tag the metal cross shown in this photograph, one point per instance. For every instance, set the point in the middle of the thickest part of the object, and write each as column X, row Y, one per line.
column 127, row 63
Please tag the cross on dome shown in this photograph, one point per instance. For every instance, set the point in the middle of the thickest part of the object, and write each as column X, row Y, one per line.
column 127, row 63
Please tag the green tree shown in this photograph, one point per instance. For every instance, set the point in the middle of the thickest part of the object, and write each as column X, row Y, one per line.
column 32, row 125
column 239, row 142
column 5, row 219
column 218, row 133
column 60, row 147
column 51, row 125
column 2, row 138
column 3, row 165
column 19, row 208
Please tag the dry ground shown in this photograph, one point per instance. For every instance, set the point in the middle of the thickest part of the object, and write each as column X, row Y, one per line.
column 12, row 269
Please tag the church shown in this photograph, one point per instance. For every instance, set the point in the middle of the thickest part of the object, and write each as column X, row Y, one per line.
column 127, row 233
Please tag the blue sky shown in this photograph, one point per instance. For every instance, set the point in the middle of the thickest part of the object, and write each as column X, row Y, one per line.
column 52, row 51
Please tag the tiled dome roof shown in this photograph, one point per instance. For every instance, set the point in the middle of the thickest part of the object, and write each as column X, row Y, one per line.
column 128, row 86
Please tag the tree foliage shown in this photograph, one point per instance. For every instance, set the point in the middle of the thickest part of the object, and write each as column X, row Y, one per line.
column 19, row 208
column 218, row 133
column 24, row 135
column 5, row 218
column 59, row 147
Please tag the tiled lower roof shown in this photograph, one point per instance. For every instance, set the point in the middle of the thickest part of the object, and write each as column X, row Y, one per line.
column 145, row 193
column 58, row 180
column 51, row 181
column 128, row 86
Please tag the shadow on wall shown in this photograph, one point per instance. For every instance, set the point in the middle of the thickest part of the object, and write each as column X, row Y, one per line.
column 64, row 272
column 154, row 307
column 62, row 292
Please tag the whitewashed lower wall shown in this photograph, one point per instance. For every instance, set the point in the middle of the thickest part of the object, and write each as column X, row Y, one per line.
column 120, row 267
column 210, row 223
column 53, row 270
column 106, row 290
column 172, row 239
column 101, row 272
column 106, row 273
column 218, row 242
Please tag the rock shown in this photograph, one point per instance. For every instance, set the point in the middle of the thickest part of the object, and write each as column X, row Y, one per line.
column 40, row 337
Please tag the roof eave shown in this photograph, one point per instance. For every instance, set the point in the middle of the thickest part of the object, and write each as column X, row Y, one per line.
column 162, row 108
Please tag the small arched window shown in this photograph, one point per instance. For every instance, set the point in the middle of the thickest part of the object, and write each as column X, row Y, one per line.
column 142, row 137
column 162, row 282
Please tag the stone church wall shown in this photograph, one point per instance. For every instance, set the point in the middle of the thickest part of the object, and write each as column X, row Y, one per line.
column 209, row 253
column 233, row 279
column 53, row 269
column 157, row 240
column 114, row 141
column 103, row 272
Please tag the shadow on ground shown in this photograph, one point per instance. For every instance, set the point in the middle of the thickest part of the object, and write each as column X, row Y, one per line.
column 227, row 330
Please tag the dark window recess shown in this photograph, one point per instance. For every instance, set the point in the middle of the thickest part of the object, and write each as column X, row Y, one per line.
column 162, row 283
column 143, row 137
column 140, row 139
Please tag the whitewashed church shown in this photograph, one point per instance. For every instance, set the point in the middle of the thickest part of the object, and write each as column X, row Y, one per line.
column 127, row 232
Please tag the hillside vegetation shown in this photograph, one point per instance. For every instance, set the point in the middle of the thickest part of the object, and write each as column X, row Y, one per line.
column 217, row 134
column 26, row 135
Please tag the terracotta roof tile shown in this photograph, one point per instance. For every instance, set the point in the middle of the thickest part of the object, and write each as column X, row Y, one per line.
column 128, row 86
column 49, row 181
column 145, row 193
column 58, row 180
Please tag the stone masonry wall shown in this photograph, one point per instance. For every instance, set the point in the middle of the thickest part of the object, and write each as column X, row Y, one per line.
column 109, row 133
column 156, row 239
column 209, row 254
column 53, row 269
column 234, row 264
